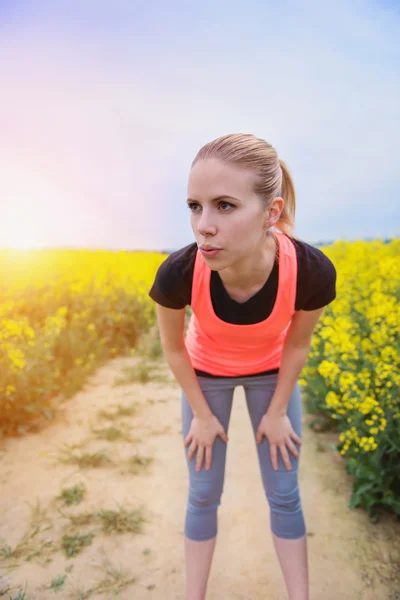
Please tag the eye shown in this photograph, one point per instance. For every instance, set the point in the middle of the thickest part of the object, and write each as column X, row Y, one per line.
column 227, row 204
column 192, row 205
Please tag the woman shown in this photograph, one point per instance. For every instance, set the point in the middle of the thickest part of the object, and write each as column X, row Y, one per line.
column 256, row 293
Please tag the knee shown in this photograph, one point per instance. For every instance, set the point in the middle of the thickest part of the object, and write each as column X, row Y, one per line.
column 284, row 495
column 205, row 497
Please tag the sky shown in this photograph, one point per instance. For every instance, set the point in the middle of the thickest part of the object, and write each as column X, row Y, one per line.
column 104, row 105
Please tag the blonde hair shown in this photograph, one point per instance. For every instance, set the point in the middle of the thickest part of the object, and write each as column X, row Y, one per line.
column 273, row 178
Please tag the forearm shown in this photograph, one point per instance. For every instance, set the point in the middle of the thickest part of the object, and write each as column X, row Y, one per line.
column 292, row 362
column 180, row 365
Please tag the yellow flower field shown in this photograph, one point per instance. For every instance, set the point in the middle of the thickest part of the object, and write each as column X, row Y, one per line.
column 62, row 313
column 352, row 376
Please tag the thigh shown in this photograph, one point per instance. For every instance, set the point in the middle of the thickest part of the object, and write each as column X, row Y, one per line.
column 219, row 395
column 258, row 397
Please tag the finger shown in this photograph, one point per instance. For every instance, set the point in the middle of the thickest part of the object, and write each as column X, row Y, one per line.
column 292, row 448
column 199, row 457
column 192, row 449
column 223, row 435
column 296, row 438
column 208, row 457
column 273, row 454
column 285, row 457
column 188, row 439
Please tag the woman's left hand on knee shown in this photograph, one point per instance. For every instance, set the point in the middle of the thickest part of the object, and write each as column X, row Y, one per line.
column 278, row 429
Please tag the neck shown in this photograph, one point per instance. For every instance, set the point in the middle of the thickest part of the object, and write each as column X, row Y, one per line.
column 253, row 270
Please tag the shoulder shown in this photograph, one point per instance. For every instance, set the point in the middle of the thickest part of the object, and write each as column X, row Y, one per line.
column 183, row 255
column 173, row 281
column 180, row 263
column 316, row 276
column 313, row 259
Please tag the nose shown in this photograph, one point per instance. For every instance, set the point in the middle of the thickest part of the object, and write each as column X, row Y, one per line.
column 205, row 224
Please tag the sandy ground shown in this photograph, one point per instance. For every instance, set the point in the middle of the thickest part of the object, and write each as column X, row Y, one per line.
column 349, row 557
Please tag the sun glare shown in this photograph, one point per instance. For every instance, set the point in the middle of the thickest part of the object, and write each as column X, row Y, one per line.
column 31, row 198
column 22, row 237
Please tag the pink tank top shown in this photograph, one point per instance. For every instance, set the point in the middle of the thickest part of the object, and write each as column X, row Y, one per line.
column 221, row 348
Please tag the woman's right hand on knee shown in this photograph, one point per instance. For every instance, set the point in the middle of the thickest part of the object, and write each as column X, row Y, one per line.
column 201, row 436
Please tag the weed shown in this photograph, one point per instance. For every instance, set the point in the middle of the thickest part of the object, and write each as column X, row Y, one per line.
column 73, row 544
column 73, row 495
column 20, row 596
column 141, row 372
column 114, row 581
column 87, row 460
column 58, row 582
column 121, row 521
column 112, row 434
column 137, row 463
column 121, row 411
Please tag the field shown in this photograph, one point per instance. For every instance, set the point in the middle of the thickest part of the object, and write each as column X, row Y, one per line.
column 352, row 377
column 65, row 316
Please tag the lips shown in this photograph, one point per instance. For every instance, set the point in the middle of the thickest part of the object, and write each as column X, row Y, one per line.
column 210, row 253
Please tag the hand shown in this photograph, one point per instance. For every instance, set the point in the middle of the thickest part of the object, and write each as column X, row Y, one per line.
column 202, row 434
column 278, row 429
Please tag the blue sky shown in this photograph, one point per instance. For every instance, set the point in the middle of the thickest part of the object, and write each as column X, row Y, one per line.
column 104, row 105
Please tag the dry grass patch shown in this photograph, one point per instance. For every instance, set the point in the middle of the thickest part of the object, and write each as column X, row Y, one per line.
column 73, row 495
column 113, row 433
column 141, row 372
column 36, row 543
column 74, row 544
column 86, row 460
column 114, row 581
column 137, row 464
column 120, row 411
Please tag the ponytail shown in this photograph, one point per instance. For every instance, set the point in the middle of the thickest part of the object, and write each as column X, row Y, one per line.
column 285, row 222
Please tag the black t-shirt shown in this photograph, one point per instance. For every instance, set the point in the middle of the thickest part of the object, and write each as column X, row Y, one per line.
column 315, row 287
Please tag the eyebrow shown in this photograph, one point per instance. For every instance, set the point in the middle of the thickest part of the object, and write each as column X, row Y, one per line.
column 215, row 199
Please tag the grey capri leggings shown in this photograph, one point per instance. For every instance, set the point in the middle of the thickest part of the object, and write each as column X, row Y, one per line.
column 206, row 487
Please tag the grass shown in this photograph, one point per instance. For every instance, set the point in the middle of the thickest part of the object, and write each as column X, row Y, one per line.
column 138, row 464
column 149, row 346
column 121, row 521
column 73, row 544
column 114, row 581
column 159, row 401
column 73, row 495
column 35, row 543
column 149, row 352
column 110, row 522
column 57, row 583
column 112, row 433
column 20, row 596
column 141, row 372
column 86, row 460
column 120, row 411
column 38, row 544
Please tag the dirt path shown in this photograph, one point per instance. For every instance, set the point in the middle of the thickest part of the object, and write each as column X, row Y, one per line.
column 349, row 557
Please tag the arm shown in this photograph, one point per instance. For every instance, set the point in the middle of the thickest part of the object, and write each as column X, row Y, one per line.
column 294, row 356
column 171, row 323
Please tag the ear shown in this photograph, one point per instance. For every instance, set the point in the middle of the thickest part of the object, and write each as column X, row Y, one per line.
column 274, row 212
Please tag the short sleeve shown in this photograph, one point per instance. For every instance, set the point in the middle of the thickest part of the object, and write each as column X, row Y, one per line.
column 323, row 290
column 172, row 286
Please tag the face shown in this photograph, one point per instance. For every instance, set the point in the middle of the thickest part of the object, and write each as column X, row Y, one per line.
column 226, row 213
